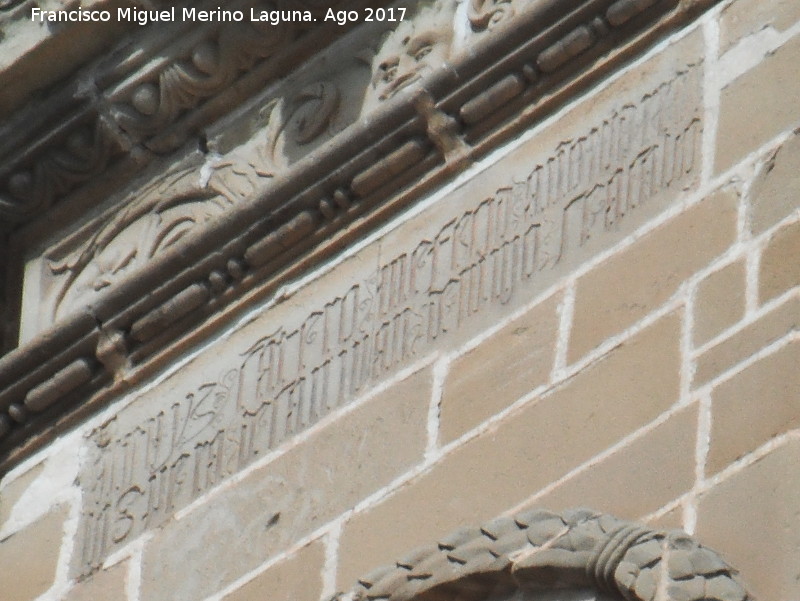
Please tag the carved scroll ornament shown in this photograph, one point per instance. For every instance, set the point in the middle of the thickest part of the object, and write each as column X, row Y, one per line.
column 539, row 550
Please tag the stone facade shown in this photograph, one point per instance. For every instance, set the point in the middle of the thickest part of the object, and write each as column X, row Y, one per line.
column 286, row 303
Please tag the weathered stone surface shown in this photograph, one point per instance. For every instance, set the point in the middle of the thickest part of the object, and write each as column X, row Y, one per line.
column 104, row 585
column 776, row 191
column 12, row 491
column 747, row 17
column 639, row 478
column 298, row 578
column 752, row 516
column 288, row 498
column 754, row 108
column 719, row 302
column 737, row 348
column 534, row 446
column 34, row 53
column 626, row 287
column 755, row 405
column 500, row 370
column 439, row 278
column 780, row 268
column 29, row 557
column 671, row 520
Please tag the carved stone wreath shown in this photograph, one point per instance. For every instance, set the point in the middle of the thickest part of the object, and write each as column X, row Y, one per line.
column 539, row 551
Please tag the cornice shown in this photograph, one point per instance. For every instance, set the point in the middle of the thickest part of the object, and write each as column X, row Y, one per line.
column 527, row 64
column 538, row 550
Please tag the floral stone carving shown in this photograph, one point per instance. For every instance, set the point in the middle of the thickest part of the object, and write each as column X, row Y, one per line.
column 165, row 213
column 539, row 551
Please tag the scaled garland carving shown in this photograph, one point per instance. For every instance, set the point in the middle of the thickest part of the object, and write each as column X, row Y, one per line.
column 539, row 550
column 165, row 213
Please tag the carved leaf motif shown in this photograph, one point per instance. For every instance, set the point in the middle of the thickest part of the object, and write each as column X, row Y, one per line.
column 131, row 238
column 238, row 174
column 285, row 124
column 210, row 68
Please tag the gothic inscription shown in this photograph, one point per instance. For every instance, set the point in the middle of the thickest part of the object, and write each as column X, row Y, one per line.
column 479, row 251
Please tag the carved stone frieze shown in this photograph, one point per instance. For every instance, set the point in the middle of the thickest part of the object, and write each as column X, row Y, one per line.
column 289, row 182
column 82, row 154
column 482, row 249
column 156, row 99
column 156, row 216
column 147, row 100
column 538, row 550
column 157, row 220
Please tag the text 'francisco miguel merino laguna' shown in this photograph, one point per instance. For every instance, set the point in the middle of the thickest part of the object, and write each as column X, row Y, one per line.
column 274, row 17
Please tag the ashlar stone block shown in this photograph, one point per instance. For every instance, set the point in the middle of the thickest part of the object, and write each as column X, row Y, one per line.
column 752, row 518
column 629, row 285
column 500, row 370
column 12, row 491
column 526, row 451
column 719, row 301
column 289, row 497
column 29, row 558
column 109, row 584
column 757, row 404
column 776, row 192
column 639, row 478
column 755, row 107
column 747, row 17
column 780, row 263
column 731, row 351
column 298, row 578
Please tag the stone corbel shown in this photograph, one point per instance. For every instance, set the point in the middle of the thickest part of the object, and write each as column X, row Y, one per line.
column 539, row 551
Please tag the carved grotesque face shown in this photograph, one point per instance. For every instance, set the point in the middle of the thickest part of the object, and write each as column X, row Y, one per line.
column 413, row 50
